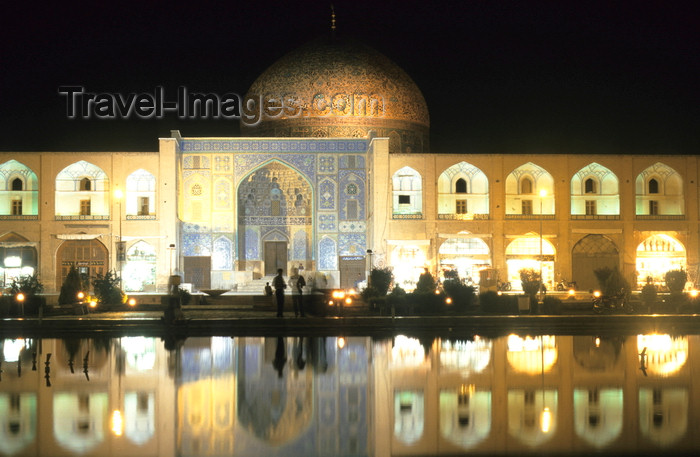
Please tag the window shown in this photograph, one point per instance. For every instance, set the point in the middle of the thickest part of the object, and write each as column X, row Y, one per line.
column 590, row 207
column 404, row 199
column 461, row 186
column 196, row 161
column 274, row 207
column 527, row 207
column 352, row 213
column 351, row 162
column 16, row 207
column 84, row 207
column 653, row 186
column 590, row 186
column 17, row 184
column 143, row 206
column 85, row 184
column 526, row 186
column 461, row 207
column 653, row 207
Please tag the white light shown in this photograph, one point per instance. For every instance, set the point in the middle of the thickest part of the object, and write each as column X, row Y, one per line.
column 117, row 423
column 13, row 261
column 546, row 420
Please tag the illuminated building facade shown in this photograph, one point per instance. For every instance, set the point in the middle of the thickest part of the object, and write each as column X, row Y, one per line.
column 344, row 169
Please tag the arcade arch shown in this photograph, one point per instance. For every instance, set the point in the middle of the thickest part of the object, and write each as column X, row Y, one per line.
column 524, row 252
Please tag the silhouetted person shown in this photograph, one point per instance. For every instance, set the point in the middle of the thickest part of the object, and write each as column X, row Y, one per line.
column 297, row 283
column 280, row 357
column 268, row 289
column 279, row 284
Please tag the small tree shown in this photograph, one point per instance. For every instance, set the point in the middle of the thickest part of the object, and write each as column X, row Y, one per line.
column 31, row 287
column 611, row 281
column 107, row 289
column 426, row 283
column 378, row 285
column 531, row 283
column 71, row 286
column 675, row 280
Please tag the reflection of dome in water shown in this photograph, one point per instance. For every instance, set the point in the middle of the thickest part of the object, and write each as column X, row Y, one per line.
column 342, row 88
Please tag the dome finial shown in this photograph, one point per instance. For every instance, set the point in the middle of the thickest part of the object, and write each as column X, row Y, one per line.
column 332, row 19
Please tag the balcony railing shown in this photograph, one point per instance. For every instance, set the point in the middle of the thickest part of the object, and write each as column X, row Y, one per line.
column 660, row 217
column 597, row 217
column 463, row 217
column 407, row 216
column 82, row 217
column 141, row 217
column 531, row 217
column 20, row 217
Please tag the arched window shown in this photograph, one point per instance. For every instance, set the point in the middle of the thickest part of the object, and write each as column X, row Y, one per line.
column 461, row 186
column 85, row 184
column 590, row 186
column 17, row 184
column 653, row 186
column 526, row 186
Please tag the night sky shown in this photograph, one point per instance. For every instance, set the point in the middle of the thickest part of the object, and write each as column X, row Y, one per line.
column 498, row 77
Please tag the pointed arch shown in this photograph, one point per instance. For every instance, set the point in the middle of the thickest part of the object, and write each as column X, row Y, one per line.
column 140, row 194
column 19, row 191
column 82, row 189
column 659, row 191
column 595, row 191
column 535, row 179
column 139, row 270
column 463, row 192
column 407, row 189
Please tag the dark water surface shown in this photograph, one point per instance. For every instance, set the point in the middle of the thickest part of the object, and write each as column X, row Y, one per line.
column 356, row 396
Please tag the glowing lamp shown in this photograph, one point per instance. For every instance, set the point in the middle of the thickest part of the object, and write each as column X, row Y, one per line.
column 546, row 420
column 448, row 300
column 596, row 293
column 93, row 303
column 117, row 423
column 132, row 302
column 348, row 301
column 572, row 292
column 341, row 342
column 20, row 297
column 81, row 296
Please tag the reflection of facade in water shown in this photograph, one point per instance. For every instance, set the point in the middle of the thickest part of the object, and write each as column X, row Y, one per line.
column 405, row 397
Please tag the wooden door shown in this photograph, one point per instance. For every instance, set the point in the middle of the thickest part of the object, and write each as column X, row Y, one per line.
column 198, row 272
column 275, row 257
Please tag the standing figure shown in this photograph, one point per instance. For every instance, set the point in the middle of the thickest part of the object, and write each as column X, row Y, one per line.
column 297, row 283
column 279, row 285
column 268, row 289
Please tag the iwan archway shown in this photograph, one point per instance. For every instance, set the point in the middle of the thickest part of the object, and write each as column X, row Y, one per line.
column 589, row 254
column 275, row 219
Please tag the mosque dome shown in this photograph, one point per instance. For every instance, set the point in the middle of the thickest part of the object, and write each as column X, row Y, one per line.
column 339, row 88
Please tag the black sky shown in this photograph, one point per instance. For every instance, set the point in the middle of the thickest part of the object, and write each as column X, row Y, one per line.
column 498, row 76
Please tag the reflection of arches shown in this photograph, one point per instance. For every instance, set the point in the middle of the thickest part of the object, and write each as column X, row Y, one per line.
column 465, row 416
column 18, row 421
column 658, row 254
column 663, row 414
column 590, row 253
column 79, row 420
column 525, row 420
column 598, row 415
column 275, row 410
column 90, row 257
column 595, row 353
column 409, row 416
